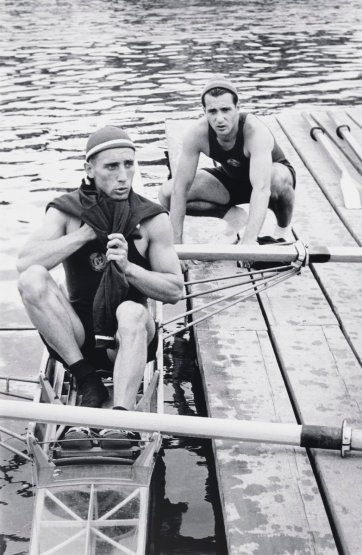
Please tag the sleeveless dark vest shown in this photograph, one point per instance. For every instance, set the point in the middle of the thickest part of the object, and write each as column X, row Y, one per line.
column 233, row 161
column 84, row 270
column 105, row 216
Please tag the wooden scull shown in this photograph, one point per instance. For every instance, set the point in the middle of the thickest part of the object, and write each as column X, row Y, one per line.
column 90, row 499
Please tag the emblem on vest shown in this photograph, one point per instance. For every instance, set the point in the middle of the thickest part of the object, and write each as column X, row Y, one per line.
column 98, row 261
column 233, row 162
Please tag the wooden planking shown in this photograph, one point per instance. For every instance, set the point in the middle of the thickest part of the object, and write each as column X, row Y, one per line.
column 325, row 174
column 269, row 494
column 325, row 379
column 251, row 317
column 355, row 114
column 315, row 222
column 322, row 371
column 242, row 379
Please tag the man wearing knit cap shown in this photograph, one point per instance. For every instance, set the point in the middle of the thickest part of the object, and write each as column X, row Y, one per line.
column 251, row 168
column 116, row 249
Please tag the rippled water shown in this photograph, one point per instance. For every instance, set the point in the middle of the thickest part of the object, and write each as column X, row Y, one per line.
column 69, row 67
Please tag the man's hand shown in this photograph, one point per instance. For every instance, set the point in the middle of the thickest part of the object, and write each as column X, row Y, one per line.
column 246, row 241
column 117, row 250
column 184, row 266
column 88, row 232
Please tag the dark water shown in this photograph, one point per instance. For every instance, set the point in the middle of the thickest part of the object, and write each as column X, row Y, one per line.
column 69, row 67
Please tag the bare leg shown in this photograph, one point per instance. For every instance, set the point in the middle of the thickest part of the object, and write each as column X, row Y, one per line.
column 51, row 313
column 282, row 198
column 205, row 193
column 136, row 328
column 55, row 319
column 235, row 219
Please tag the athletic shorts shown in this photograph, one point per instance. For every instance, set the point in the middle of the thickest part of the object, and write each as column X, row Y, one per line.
column 240, row 190
column 97, row 357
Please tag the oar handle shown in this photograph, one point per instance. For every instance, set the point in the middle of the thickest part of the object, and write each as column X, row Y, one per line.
column 314, row 128
column 340, row 123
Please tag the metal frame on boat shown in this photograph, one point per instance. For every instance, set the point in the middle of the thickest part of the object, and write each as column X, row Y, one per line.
column 92, row 499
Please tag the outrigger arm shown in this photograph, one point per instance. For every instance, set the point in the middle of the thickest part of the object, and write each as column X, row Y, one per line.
column 344, row 439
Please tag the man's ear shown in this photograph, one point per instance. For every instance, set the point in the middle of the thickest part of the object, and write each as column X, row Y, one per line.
column 89, row 169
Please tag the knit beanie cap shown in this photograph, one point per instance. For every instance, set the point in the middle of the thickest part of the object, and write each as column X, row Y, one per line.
column 219, row 82
column 105, row 138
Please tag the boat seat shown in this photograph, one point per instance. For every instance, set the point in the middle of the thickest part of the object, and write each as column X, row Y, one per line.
column 105, row 342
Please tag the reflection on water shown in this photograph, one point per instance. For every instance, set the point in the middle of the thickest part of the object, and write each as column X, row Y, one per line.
column 69, row 67
column 190, row 512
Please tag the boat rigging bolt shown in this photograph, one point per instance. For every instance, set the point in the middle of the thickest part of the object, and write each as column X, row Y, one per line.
column 346, row 438
column 303, row 255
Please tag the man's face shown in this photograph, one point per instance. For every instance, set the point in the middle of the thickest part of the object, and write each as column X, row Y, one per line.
column 113, row 171
column 221, row 113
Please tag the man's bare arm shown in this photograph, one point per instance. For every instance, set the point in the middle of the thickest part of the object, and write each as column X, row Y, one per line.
column 259, row 144
column 185, row 175
column 49, row 245
column 164, row 281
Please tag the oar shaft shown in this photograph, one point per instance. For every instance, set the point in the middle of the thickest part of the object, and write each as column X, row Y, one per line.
column 335, row 254
column 318, row 134
column 191, row 426
column 194, row 426
column 267, row 253
column 250, row 253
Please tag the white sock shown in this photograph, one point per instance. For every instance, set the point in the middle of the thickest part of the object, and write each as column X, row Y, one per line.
column 282, row 232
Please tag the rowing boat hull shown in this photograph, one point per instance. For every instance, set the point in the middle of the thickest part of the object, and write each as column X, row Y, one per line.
column 93, row 500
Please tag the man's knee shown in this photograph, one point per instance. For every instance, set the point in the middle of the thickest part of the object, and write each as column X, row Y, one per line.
column 33, row 283
column 131, row 317
column 281, row 182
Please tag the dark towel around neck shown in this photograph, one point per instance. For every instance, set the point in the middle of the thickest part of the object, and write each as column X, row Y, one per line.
column 105, row 215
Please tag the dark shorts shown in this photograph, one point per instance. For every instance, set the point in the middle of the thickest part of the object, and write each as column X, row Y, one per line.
column 240, row 189
column 98, row 357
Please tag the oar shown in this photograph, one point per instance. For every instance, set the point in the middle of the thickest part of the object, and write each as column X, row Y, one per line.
column 349, row 185
column 343, row 131
column 269, row 253
column 323, row 437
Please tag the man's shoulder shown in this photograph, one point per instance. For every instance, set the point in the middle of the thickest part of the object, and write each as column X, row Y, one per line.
column 157, row 224
column 69, row 203
column 196, row 136
column 257, row 134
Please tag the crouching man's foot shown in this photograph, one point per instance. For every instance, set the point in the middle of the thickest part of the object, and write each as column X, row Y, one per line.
column 267, row 240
